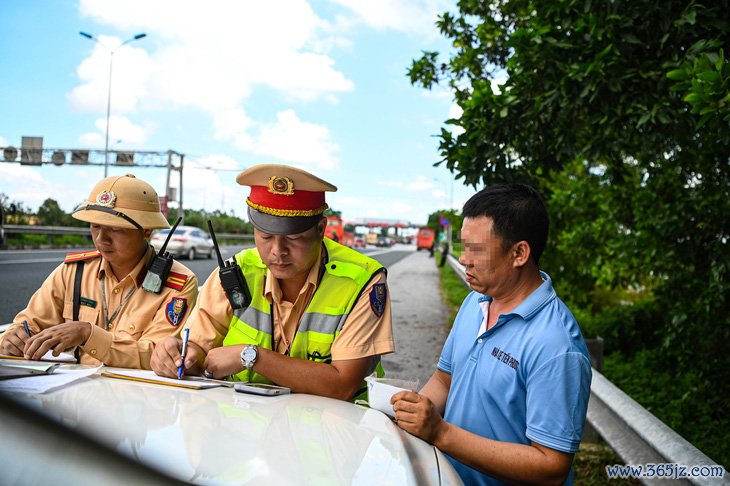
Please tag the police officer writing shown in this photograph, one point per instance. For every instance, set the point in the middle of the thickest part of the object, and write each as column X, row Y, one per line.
column 93, row 301
column 319, row 316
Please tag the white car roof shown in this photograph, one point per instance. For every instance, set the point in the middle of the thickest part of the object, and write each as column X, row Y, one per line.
column 219, row 436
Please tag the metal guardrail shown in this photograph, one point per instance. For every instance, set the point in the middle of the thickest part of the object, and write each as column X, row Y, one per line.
column 21, row 229
column 637, row 436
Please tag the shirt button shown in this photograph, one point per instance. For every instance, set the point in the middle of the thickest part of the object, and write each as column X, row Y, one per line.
column 480, row 340
column 131, row 327
column 92, row 352
column 116, row 291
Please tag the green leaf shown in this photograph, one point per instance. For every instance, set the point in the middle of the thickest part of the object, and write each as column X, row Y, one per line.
column 710, row 76
column 678, row 74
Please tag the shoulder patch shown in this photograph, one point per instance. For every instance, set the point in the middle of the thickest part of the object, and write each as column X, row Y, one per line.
column 176, row 280
column 378, row 296
column 76, row 256
column 175, row 310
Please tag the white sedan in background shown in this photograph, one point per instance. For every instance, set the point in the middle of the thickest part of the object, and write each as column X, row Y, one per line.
column 186, row 241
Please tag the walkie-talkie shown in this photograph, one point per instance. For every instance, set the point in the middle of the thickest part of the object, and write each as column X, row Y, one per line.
column 232, row 280
column 160, row 268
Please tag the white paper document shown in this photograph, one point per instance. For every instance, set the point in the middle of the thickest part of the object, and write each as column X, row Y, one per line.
column 62, row 376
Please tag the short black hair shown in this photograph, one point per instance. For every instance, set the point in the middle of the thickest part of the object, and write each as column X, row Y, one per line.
column 518, row 213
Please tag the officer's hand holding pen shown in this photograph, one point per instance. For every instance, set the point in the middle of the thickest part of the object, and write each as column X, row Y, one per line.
column 14, row 341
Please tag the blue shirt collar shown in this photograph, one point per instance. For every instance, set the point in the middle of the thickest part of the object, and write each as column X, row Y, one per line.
column 534, row 302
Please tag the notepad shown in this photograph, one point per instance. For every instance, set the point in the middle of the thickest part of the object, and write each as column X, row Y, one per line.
column 146, row 376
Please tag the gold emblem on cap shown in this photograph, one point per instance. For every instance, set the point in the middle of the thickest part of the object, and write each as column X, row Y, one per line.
column 281, row 185
column 106, row 199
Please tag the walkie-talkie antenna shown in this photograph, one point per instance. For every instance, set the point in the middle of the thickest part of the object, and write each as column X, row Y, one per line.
column 232, row 279
column 169, row 235
column 215, row 244
column 160, row 268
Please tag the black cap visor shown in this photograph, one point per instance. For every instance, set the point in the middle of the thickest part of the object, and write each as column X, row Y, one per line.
column 281, row 225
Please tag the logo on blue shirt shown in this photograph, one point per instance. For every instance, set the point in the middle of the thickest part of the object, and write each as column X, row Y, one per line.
column 505, row 358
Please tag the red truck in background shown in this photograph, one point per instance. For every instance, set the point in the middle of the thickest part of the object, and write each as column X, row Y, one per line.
column 425, row 238
column 336, row 231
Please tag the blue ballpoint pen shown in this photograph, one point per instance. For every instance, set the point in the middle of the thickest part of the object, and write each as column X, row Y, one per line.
column 180, row 369
column 27, row 329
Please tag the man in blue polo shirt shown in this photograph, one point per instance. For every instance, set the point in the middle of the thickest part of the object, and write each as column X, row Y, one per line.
column 508, row 400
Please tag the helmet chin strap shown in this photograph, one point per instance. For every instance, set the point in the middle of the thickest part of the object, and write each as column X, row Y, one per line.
column 110, row 211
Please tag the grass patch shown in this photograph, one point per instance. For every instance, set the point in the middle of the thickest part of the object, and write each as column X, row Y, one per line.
column 54, row 240
column 589, row 466
column 453, row 289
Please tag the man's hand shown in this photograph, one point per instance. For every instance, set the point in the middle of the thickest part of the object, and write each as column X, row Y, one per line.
column 224, row 361
column 57, row 338
column 14, row 341
column 166, row 358
column 417, row 415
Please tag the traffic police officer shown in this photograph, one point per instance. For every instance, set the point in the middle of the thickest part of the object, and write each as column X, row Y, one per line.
column 93, row 300
column 319, row 317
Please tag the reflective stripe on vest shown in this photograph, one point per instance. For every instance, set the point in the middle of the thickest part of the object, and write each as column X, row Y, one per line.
column 346, row 274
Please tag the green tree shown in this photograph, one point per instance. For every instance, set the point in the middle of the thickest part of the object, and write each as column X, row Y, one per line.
column 51, row 214
column 618, row 111
column 222, row 222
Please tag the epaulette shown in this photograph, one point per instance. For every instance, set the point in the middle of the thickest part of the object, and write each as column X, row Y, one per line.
column 176, row 280
column 77, row 256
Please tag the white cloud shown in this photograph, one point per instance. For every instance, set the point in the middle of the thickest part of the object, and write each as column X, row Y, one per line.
column 3, row 142
column 214, row 55
column 290, row 139
column 27, row 184
column 120, row 129
column 132, row 67
column 411, row 16
column 212, row 58
column 455, row 112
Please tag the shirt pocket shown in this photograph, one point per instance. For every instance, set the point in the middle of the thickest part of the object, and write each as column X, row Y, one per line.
column 86, row 313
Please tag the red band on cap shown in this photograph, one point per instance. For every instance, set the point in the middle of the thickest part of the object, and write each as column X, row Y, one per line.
column 301, row 203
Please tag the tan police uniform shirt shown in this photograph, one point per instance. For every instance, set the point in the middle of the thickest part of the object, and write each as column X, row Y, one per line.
column 143, row 319
column 363, row 334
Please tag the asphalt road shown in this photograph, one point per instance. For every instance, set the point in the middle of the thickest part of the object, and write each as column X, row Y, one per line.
column 23, row 271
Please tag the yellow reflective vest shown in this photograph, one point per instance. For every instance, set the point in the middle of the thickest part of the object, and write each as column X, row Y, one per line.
column 346, row 274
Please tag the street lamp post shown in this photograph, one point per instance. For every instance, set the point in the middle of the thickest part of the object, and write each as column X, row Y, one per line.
column 109, row 92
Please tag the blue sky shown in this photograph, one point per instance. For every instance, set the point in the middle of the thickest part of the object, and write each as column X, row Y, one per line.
column 320, row 85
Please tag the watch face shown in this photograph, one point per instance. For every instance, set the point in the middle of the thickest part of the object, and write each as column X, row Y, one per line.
column 249, row 354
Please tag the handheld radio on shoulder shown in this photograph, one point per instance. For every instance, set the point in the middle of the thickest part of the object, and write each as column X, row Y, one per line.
column 160, row 268
column 232, row 280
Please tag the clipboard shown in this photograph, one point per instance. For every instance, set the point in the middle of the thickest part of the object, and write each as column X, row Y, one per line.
column 9, row 371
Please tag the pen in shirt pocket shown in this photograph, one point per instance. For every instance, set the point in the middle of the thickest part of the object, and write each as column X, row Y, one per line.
column 27, row 329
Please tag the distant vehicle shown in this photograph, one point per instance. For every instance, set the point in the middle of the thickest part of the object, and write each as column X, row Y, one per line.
column 186, row 241
column 336, row 231
column 385, row 241
column 425, row 238
column 359, row 242
column 371, row 238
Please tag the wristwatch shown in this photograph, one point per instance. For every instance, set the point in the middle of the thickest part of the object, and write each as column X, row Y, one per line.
column 249, row 355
